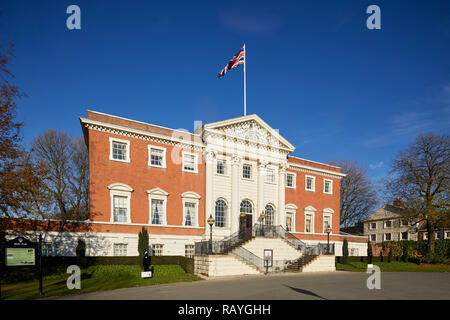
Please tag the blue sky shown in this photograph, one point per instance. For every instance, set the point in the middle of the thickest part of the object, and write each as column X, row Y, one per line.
column 332, row 87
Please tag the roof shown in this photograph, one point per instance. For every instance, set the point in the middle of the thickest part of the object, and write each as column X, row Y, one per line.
column 385, row 212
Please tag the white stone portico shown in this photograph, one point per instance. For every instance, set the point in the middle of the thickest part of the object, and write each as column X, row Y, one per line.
column 245, row 141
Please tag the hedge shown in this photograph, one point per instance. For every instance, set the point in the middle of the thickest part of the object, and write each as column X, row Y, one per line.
column 59, row 264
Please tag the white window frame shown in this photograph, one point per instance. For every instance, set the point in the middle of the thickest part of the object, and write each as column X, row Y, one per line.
column 331, row 186
column 385, row 238
column 292, row 209
column 266, row 180
column 127, row 153
column 163, row 164
column 185, row 153
column 191, row 197
column 392, row 224
column 370, row 226
column 372, row 236
column 225, row 217
column 120, row 190
column 407, row 235
column 225, row 165
column 310, row 211
column 162, row 248
column 191, row 248
column 402, row 224
column 157, row 194
column 313, row 184
column 327, row 213
column 292, row 214
column 294, row 180
column 120, row 244
column 251, row 171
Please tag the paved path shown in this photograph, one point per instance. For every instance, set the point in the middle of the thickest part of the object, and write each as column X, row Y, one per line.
column 318, row 286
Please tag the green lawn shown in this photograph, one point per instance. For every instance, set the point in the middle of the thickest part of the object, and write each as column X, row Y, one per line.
column 96, row 278
column 394, row 267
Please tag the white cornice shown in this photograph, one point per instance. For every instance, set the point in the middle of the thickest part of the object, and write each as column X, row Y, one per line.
column 140, row 134
column 304, row 168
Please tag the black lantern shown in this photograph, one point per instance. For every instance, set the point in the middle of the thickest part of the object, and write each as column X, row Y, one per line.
column 328, row 231
column 210, row 222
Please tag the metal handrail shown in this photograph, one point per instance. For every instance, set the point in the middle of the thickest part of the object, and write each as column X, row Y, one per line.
column 258, row 262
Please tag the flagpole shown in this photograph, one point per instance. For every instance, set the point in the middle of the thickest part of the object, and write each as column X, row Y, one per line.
column 245, row 87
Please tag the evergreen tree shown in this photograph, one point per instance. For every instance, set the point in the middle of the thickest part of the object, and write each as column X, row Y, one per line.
column 369, row 252
column 345, row 252
column 142, row 245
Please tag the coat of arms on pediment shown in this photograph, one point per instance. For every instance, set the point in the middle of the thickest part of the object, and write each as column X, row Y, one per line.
column 250, row 128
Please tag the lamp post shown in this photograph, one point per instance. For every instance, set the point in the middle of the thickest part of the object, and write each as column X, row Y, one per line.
column 328, row 231
column 210, row 222
column 262, row 216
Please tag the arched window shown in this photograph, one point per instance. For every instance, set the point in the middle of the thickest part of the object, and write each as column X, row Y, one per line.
column 270, row 213
column 221, row 211
column 246, row 206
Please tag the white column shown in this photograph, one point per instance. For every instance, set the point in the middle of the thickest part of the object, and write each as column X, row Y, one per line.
column 262, row 165
column 209, row 188
column 235, row 205
column 281, row 196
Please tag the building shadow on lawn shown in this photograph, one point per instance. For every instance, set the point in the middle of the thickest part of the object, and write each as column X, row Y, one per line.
column 307, row 292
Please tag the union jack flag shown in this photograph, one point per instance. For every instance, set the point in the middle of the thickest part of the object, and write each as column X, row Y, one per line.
column 239, row 58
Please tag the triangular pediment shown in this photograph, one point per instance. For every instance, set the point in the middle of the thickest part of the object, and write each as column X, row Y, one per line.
column 251, row 128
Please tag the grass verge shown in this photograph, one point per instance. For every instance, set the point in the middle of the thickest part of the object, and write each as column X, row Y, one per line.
column 96, row 278
column 394, row 267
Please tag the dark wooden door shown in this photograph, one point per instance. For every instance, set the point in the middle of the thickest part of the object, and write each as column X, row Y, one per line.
column 246, row 223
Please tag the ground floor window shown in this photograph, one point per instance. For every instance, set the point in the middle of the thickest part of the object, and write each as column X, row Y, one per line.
column 49, row 249
column 404, row 235
column 387, row 237
column 354, row 252
column 189, row 250
column 289, row 221
column 120, row 249
column 157, row 249
column 373, row 237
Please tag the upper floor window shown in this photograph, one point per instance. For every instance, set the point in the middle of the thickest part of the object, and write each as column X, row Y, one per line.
column 157, row 157
column 190, row 162
column 120, row 195
column 189, row 214
column 270, row 215
column 308, row 222
column 326, row 223
column 119, row 150
column 270, row 175
column 120, row 209
column 221, row 166
column 157, row 213
column 247, row 171
column 373, row 225
column 310, row 183
column 388, row 224
column 403, row 222
column 290, row 180
column 327, row 186
column 221, row 210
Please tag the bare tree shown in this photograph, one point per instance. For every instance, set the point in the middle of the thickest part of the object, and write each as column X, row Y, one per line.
column 65, row 176
column 420, row 178
column 358, row 193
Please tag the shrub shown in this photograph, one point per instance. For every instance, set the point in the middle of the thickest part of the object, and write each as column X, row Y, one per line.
column 381, row 255
column 396, row 249
column 414, row 256
column 390, row 255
